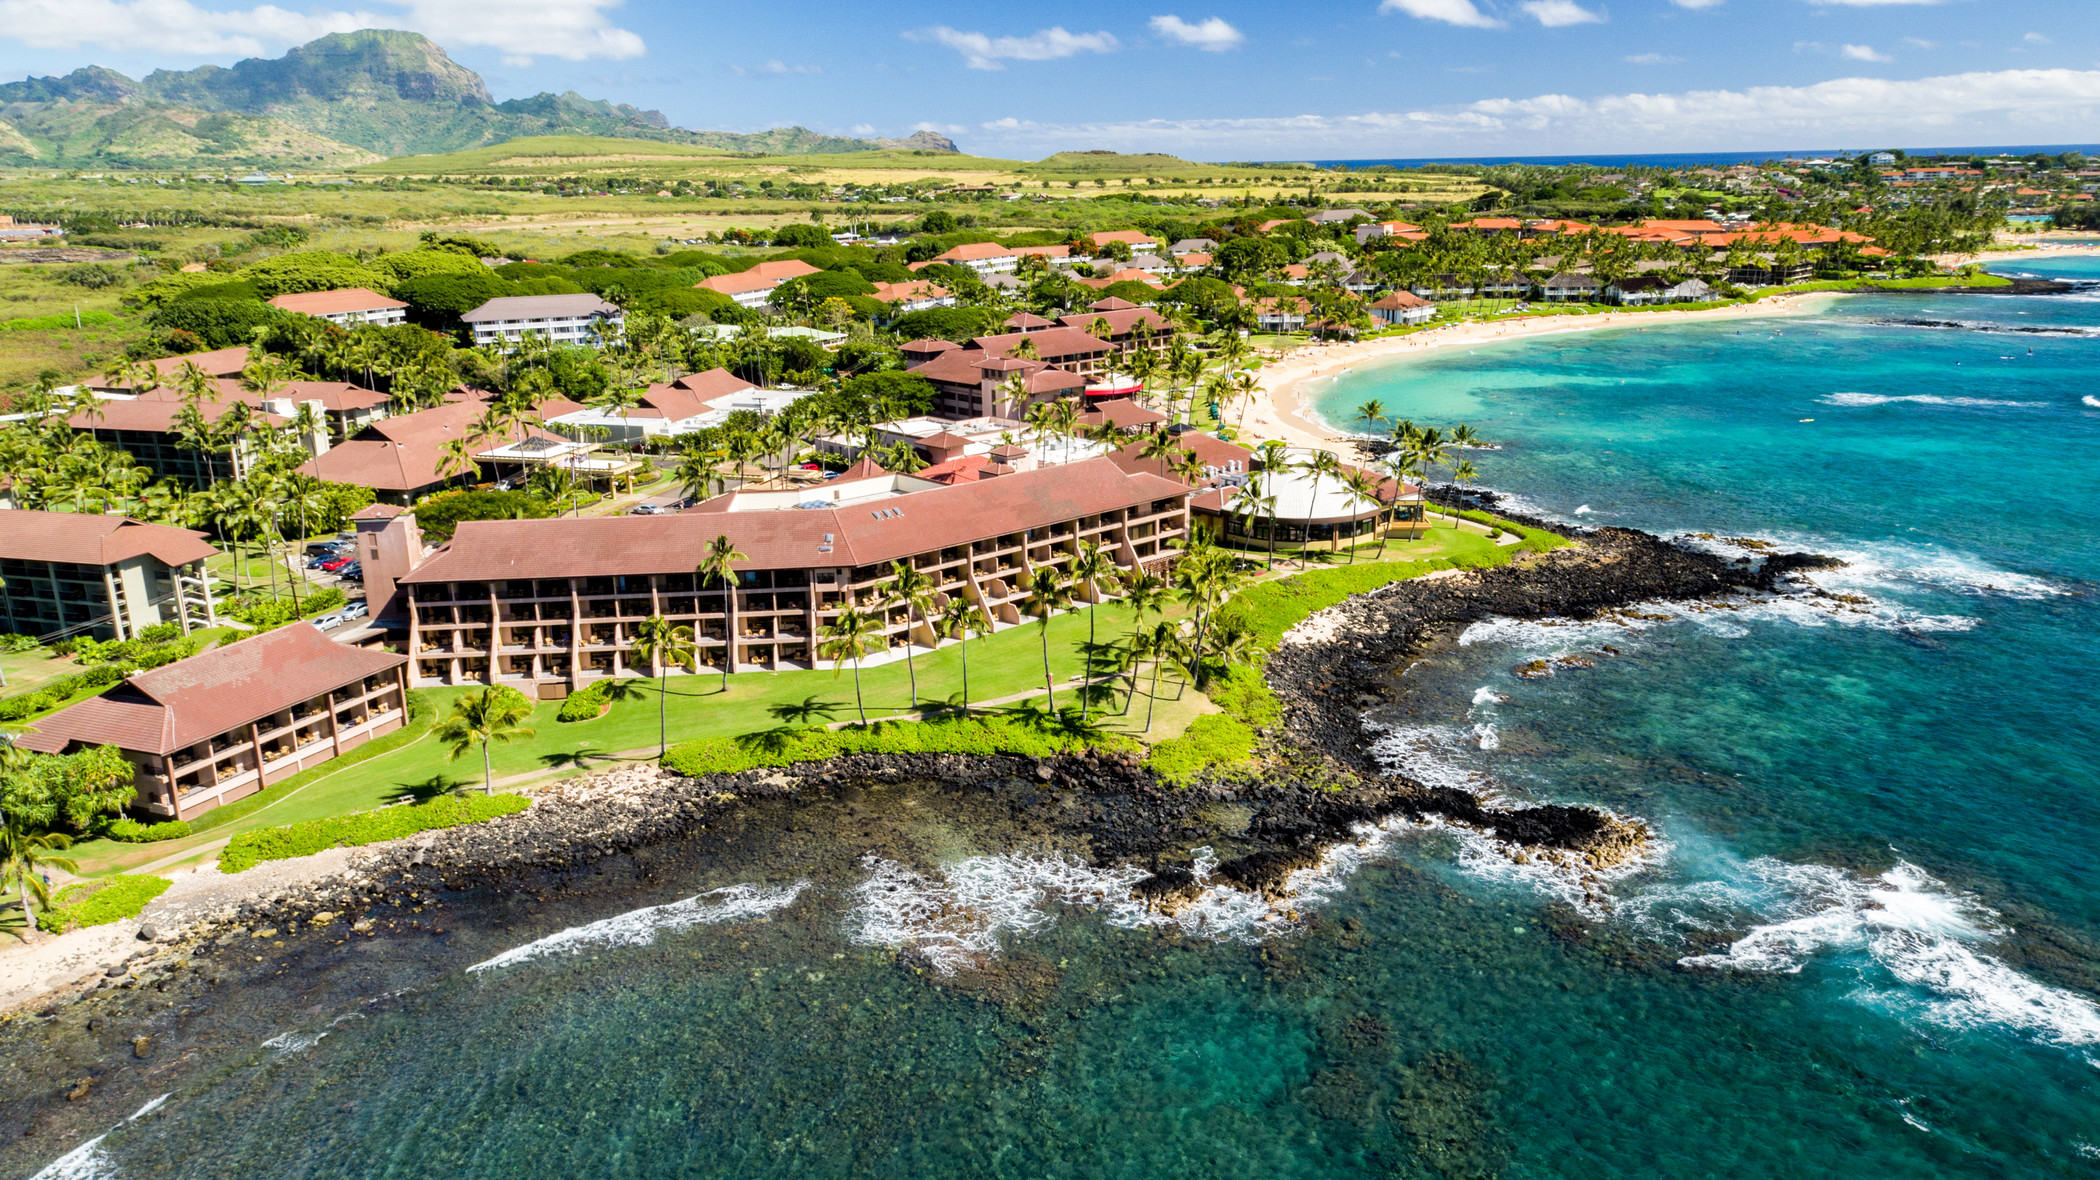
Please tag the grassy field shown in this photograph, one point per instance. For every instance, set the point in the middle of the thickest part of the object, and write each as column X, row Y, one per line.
column 34, row 290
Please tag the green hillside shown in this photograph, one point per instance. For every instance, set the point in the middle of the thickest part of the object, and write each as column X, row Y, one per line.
column 343, row 99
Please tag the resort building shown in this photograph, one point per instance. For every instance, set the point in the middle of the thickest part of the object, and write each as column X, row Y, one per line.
column 554, row 604
column 561, row 319
column 690, row 403
column 76, row 573
column 1571, row 288
column 982, row 257
column 917, row 295
column 1402, row 307
column 147, row 428
column 1642, row 290
column 1306, row 514
column 351, row 305
column 223, row 725
column 754, row 287
column 403, row 457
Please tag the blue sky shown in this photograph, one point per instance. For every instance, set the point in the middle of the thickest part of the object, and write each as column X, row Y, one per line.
column 1229, row 80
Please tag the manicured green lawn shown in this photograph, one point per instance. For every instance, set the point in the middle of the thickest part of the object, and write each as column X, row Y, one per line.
column 30, row 670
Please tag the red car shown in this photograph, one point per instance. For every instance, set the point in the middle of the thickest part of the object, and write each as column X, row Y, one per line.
column 338, row 563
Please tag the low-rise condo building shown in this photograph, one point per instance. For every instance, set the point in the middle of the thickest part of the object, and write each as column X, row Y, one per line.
column 76, row 573
column 561, row 319
column 223, row 725
column 351, row 305
column 551, row 605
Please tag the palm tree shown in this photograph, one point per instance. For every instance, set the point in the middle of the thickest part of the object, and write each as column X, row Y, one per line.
column 1371, row 412
column 961, row 618
column 718, row 565
column 912, row 590
column 1322, row 463
column 1145, row 594
column 851, row 634
column 1365, row 488
column 456, row 457
column 1090, row 568
column 491, row 715
column 1160, row 445
column 1160, row 644
column 1256, row 503
column 1462, row 473
column 1049, row 595
column 662, row 643
column 24, row 856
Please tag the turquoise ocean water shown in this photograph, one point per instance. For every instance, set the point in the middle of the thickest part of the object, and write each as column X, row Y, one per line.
column 1868, row 944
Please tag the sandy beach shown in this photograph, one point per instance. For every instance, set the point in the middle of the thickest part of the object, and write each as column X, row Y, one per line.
column 1280, row 409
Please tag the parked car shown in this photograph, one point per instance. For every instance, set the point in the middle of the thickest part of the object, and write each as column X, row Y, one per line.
column 357, row 610
column 354, row 572
column 334, row 565
column 325, row 622
column 647, row 510
column 318, row 562
column 318, row 548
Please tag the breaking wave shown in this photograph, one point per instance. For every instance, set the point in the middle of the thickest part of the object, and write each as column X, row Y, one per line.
column 1924, row 399
column 1987, row 327
column 1911, row 931
column 88, row 1161
column 732, row 903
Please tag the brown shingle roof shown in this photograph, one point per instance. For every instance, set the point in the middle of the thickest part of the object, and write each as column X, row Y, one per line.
column 493, row 550
column 87, row 539
column 153, row 415
column 170, row 708
column 1050, row 343
column 539, row 307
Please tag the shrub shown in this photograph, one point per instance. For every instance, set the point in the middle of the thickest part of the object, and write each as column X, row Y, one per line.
column 97, row 903
column 249, row 849
column 131, row 831
column 1243, row 694
column 92, row 275
column 310, row 270
column 980, row 736
column 588, row 705
column 438, row 515
column 160, row 632
column 1213, row 740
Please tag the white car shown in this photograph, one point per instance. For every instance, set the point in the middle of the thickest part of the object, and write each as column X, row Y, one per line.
column 357, row 610
column 326, row 622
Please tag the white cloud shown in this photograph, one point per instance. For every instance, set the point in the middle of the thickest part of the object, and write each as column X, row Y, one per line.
column 521, row 30
column 1213, row 34
column 2036, row 39
column 774, row 67
column 1697, row 3
column 1556, row 14
column 1652, row 59
column 1451, row 12
column 1864, row 53
column 987, row 53
column 1868, row 3
column 1920, row 43
column 2005, row 106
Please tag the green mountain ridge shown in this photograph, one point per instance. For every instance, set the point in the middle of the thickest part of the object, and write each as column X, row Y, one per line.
column 346, row 98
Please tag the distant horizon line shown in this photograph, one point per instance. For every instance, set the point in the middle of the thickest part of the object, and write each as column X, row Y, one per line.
column 1665, row 159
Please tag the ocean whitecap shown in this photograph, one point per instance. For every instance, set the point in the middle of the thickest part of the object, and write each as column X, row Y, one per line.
column 732, row 903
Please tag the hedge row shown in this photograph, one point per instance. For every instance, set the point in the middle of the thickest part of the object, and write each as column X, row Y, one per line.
column 249, row 849
column 991, row 735
column 131, row 831
column 97, row 903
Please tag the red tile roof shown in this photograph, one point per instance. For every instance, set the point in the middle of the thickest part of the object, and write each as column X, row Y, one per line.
column 177, row 706
column 974, row 252
column 88, row 539
column 1051, row 344
column 402, row 453
column 1120, row 412
column 888, row 530
column 1131, row 236
column 348, row 299
column 154, row 415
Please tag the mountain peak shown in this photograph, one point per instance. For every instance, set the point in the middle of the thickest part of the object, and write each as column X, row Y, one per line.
column 364, row 66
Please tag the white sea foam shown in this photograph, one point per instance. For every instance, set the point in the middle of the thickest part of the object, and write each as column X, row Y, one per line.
column 88, row 1161
column 1883, row 564
column 294, row 1041
column 1861, row 400
column 85, row 1162
column 733, row 903
column 2092, row 401
column 1916, row 932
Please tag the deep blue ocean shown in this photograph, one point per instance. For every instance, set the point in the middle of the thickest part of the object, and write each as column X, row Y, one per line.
column 1694, row 159
column 1867, row 944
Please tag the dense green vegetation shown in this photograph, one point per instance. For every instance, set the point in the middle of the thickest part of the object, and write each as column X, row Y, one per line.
column 248, row 849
